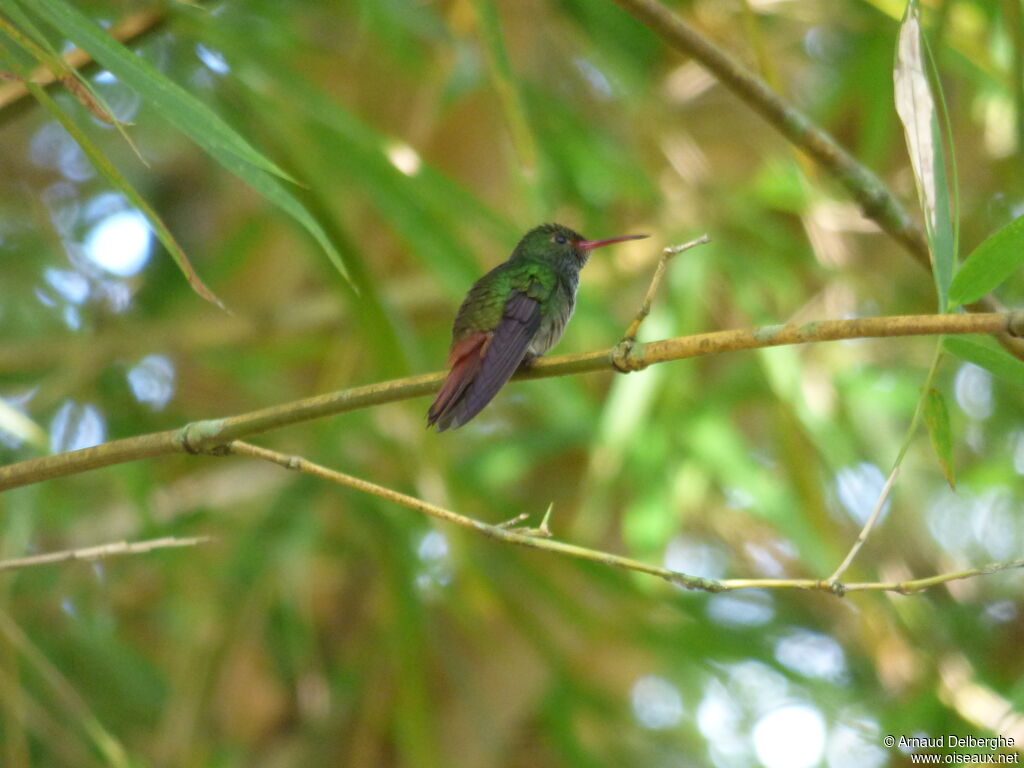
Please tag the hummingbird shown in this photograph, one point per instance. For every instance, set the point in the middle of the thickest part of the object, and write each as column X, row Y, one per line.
column 512, row 315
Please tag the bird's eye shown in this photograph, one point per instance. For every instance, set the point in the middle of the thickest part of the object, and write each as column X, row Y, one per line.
column 560, row 239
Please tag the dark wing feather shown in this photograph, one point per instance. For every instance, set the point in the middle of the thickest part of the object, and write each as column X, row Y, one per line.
column 504, row 353
column 465, row 359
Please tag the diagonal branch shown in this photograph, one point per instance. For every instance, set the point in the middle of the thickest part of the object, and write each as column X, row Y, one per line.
column 205, row 436
column 875, row 199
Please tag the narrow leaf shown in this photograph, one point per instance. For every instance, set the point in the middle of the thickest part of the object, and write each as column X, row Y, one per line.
column 60, row 70
column 936, row 418
column 275, row 192
column 989, row 356
column 191, row 116
column 22, row 427
column 118, row 181
column 917, row 110
column 188, row 114
column 989, row 264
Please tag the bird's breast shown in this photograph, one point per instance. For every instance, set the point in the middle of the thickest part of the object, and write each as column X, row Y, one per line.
column 552, row 324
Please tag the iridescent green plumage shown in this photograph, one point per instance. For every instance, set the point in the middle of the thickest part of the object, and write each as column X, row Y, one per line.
column 514, row 313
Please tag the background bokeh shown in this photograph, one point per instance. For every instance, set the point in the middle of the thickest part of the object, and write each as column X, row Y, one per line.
column 324, row 627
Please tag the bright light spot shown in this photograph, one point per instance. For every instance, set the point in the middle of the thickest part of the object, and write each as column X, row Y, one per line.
column 122, row 101
column 152, row 381
column 718, row 716
column 973, row 387
column 948, row 520
column 75, row 427
column 812, row 655
column 53, row 147
column 71, row 318
column 656, row 703
column 1017, row 446
column 790, row 737
column 694, row 557
column 758, row 686
column 994, row 523
column 120, row 243
column 859, row 488
column 738, row 498
column 1001, row 611
column 595, row 77
column 214, row 60
column 404, row 158
column 764, row 559
column 68, row 607
column 433, row 553
column 117, row 295
column 72, row 285
column 44, row 298
column 433, row 546
column 62, row 201
column 855, row 746
column 750, row 608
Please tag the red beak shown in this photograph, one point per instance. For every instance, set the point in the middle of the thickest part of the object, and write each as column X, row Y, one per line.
column 590, row 245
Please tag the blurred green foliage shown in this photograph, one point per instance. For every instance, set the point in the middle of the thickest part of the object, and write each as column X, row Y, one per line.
column 328, row 628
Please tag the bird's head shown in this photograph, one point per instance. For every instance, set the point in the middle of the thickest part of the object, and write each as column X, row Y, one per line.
column 561, row 244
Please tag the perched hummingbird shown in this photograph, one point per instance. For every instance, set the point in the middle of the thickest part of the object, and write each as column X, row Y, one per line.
column 511, row 315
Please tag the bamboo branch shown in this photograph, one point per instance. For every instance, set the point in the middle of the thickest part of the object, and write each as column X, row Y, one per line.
column 876, row 201
column 206, row 436
column 539, row 538
column 874, row 197
column 102, row 552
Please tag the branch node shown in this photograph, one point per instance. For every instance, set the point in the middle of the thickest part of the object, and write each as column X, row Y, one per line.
column 625, row 358
column 541, row 532
column 514, row 521
column 1015, row 323
column 697, row 583
column 200, row 437
column 837, row 588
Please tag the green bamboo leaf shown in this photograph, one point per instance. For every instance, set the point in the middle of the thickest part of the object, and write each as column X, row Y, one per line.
column 177, row 105
column 118, row 181
column 189, row 115
column 989, row 264
column 916, row 107
column 989, row 356
column 936, row 419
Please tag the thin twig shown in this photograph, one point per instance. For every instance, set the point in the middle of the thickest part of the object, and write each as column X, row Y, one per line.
column 537, row 538
column 868, row 526
column 102, row 551
column 532, row 538
column 204, row 436
column 652, row 289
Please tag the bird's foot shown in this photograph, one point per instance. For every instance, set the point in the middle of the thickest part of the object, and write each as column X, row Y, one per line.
column 541, row 532
column 527, row 361
column 625, row 358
